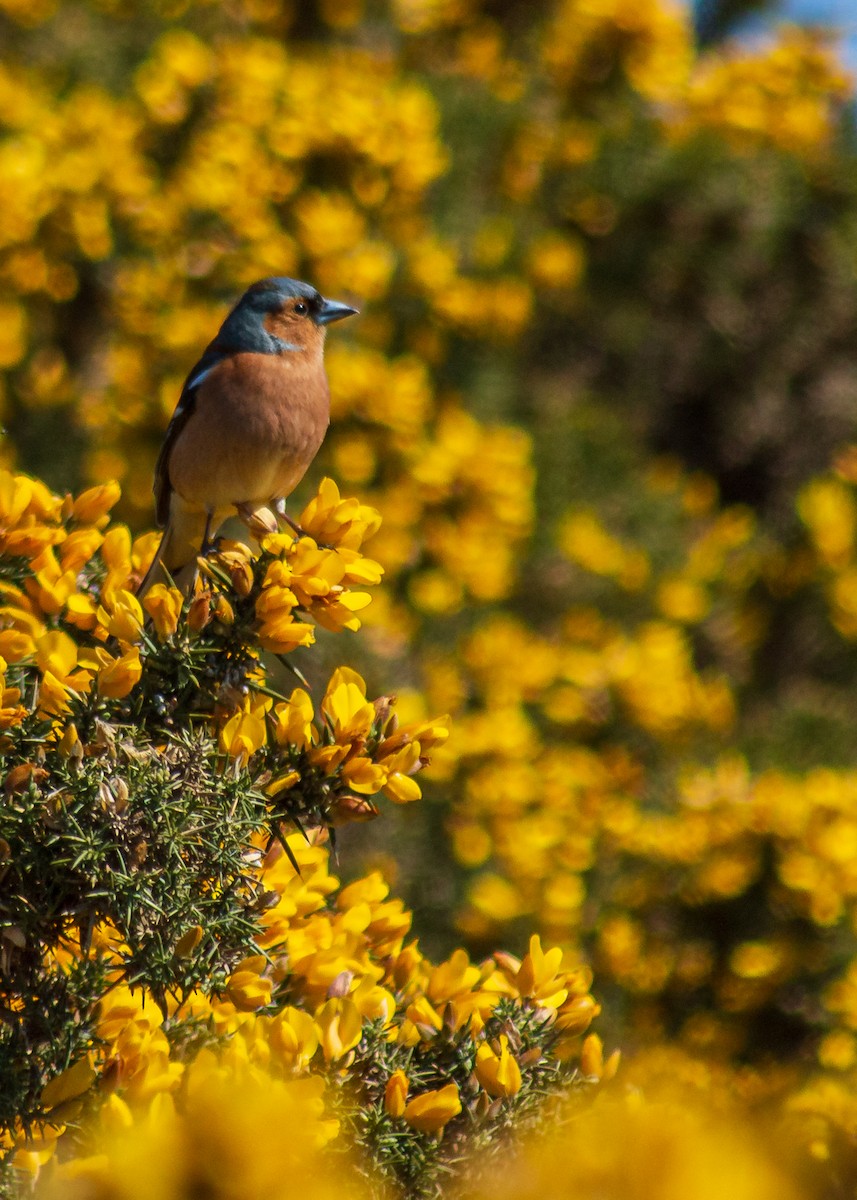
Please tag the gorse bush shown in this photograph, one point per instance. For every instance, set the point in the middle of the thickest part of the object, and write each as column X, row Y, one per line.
column 160, row 915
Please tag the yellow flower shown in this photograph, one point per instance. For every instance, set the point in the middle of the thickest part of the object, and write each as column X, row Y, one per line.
column 56, row 656
column 452, row 977
column 16, row 645
column 117, row 552
column 122, row 1006
column 313, row 571
column 164, row 606
column 294, row 720
column 838, row 1050
column 341, row 1027
column 78, row 548
column 279, row 632
column 371, row 889
column 667, row 1143
column 389, row 925
column 427, row 733
column 787, row 95
column 73, row 1082
column 362, row 775
column 32, row 1150
column 399, row 786
column 358, row 568
column 757, row 960
column 82, row 612
column 396, row 1093
column 349, row 714
column 328, row 758
column 336, row 522
column 539, row 976
column 247, row 988
column 203, row 606
column 294, row 1035
column 210, row 1137
column 118, row 676
column 431, row 1111
column 408, row 969
column 25, row 507
column 592, row 1062
column 424, row 1017
column 91, row 506
column 121, row 615
column 556, row 261
column 683, row 600
column 16, row 492
column 243, row 734
column 317, row 579
column 11, row 712
column 586, row 542
column 373, row 1002
column 337, row 610
column 577, row 1014
column 282, row 783
column 498, row 1071
column 50, row 586
column 828, row 508
column 130, row 1023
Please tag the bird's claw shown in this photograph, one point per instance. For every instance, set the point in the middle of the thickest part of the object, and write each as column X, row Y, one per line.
column 293, row 525
column 299, row 532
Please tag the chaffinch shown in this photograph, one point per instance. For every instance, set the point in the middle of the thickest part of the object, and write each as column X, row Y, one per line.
column 251, row 417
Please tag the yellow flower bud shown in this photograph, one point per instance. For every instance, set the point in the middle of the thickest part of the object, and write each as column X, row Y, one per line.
column 164, row 606
column 188, row 942
column 396, row 1094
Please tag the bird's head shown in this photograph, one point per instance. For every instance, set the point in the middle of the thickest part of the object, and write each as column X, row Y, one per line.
column 278, row 315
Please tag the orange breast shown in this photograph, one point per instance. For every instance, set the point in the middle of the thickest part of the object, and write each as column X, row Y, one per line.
column 258, row 423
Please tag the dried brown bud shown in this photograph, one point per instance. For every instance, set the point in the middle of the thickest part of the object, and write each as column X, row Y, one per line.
column 139, row 852
column 259, row 520
column 348, row 808
column 199, row 612
column 341, row 985
column 393, row 744
column 383, row 706
column 20, row 777
column 188, row 942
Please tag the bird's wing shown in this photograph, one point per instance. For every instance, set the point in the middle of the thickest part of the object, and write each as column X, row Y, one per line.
column 184, row 411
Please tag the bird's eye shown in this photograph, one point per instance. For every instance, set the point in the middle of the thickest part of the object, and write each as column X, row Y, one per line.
column 301, row 309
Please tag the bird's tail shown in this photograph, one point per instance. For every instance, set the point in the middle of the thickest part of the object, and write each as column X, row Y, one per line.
column 175, row 558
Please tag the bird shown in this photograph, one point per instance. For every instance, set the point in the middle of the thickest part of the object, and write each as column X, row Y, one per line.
column 250, row 419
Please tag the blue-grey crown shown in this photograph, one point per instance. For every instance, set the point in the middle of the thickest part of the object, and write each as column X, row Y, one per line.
column 244, row 328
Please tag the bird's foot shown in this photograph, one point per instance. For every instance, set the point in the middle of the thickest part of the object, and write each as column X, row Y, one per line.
column 299, row 532
column 293, row 525
column 211, row 546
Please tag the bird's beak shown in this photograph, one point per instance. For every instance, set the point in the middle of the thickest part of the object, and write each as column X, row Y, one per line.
column 332, row 310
